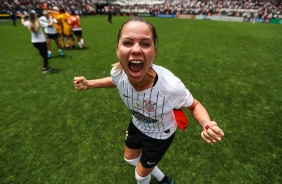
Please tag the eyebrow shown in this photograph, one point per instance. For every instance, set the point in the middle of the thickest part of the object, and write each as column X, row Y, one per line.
column 142, row 39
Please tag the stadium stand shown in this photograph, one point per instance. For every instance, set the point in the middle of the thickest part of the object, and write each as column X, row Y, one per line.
column 271, row 9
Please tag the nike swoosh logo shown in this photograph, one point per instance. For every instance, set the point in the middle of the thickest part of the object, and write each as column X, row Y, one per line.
column 126, row 96
column 150, row 163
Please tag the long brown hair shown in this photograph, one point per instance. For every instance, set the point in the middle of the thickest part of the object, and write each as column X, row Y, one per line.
column 34, row 22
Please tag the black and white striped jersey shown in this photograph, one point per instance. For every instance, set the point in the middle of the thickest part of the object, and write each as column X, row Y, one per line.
column 152, row 108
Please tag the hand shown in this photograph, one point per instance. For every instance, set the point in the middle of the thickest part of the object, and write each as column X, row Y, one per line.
column 22, row 15
column 212, row 133
column 80, row 83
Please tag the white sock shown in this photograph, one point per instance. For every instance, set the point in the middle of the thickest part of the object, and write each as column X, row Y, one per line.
column 156, row 172
column 142, row 180
column 60, row 50
column 82, row 41
column 49, row 52
column 134, row 161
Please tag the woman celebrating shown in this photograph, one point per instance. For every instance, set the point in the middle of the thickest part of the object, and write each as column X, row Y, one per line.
column 37, row 36
column 151, row 93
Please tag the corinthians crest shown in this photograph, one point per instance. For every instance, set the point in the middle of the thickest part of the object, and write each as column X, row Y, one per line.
column 149, row 106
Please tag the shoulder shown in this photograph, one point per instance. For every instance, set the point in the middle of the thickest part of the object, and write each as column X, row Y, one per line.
column 115, row 71
column 42, row 18
column 26, row 23
column 164, row 73
column 167, row 80
column 116, row 74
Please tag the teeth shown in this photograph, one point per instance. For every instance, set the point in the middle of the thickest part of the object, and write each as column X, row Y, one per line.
column 136, row 62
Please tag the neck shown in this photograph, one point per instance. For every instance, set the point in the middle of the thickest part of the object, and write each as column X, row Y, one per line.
column 147, row 82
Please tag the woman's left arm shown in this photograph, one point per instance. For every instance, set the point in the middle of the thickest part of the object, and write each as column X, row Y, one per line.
column 211, row 132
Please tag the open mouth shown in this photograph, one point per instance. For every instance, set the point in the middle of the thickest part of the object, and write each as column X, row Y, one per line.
column 135, row 66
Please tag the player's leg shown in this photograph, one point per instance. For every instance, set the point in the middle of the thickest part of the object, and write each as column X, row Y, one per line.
column 73, row 42
column 142, row 174
column 60, row 33
column 80, row 40
column 59, row 47
column 42, row 48
column 153, row 151
column 132, row 153
column 48, row 43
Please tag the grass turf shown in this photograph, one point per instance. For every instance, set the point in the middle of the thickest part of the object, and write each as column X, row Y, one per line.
column 52, row 133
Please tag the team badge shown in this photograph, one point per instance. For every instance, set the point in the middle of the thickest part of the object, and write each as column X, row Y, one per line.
column 137, row 104
column 149, row 106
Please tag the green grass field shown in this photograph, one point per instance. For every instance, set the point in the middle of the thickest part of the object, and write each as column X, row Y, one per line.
column 53, row 134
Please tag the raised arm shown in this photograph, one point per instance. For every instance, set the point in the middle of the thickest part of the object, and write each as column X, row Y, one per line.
column 51, row 21
column 22, row 18
column 81, row 83
column 211, row 132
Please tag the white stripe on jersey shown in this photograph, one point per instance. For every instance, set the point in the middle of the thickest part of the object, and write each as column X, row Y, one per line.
column 152, row 108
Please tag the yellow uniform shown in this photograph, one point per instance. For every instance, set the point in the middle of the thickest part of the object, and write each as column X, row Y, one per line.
column 58, row 25
column 67, row 29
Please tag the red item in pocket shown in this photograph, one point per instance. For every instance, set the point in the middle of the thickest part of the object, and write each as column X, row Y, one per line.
column 181, row 119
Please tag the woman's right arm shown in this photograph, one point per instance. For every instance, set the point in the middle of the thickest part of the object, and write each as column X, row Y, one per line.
column 22, row 18
column 81, row 83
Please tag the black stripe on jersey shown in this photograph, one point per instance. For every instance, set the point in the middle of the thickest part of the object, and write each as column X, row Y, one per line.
column 143, row 103
column 161, row 116
column 132, row 100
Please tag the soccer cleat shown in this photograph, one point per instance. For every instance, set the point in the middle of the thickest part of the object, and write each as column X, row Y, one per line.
column 49, row 55
column 61, row 53
column 82, row 46
column 46, row 70
column 166, row 180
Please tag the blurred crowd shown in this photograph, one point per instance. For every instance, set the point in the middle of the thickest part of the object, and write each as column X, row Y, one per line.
column 83, row 6
column 270, row 8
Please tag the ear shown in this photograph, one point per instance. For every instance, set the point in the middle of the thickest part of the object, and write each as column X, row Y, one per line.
column 117, row 49
column 156, row 50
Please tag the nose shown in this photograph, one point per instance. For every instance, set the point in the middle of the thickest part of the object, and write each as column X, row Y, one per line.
column 136, row 49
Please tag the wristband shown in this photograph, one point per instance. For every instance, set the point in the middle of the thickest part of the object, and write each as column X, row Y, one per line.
column 205, row 126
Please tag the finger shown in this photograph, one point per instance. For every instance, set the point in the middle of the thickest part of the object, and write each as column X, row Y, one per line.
column 211, row 133
column 217, row 131
column 206, row 137
column 77, row 80
column 210, row 136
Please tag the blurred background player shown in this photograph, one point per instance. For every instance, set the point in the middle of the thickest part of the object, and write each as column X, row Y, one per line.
column 51, row 33
column 13, row 15
column 57, row 24
column 37, row 36
column 67, row 29
column 74, row 21
column 110, row 15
